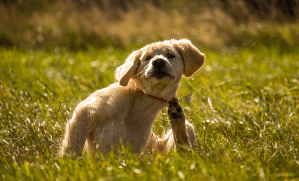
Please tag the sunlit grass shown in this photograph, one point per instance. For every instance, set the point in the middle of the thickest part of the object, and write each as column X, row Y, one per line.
column 244, row 107
column 75, row 25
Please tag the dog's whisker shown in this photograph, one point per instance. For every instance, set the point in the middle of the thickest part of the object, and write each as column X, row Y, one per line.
column 141, row 71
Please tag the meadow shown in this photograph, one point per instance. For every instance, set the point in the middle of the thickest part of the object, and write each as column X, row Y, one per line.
column 244, row 101
column 244, row 107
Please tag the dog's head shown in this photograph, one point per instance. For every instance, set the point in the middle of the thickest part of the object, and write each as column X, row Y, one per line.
column 160, row 65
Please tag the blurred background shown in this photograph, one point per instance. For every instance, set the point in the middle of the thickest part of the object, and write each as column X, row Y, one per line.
column 78, row 24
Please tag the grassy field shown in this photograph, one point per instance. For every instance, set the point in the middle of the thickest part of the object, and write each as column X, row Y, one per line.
column 245, row 99
column 252, row 133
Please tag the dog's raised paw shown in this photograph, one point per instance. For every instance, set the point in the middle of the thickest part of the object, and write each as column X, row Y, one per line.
column 175, row 111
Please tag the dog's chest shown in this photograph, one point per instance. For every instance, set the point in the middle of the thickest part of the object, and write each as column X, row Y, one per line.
column 134, row 128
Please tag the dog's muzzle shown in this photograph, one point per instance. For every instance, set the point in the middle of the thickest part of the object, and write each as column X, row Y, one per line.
column 159, row 63
column 159, row 69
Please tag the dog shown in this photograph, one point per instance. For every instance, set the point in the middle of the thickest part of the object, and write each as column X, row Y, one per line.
column 125, row 112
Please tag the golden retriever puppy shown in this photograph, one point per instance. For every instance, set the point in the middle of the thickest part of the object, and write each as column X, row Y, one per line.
column 126, row 111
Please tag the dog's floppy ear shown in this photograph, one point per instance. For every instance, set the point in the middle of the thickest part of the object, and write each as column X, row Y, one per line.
column 192, row 57
column 124, row 72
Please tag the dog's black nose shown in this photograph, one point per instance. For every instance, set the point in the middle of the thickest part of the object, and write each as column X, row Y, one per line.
column 159, row 63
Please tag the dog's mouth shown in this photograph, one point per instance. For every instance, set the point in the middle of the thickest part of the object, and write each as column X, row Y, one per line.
column 159, row 74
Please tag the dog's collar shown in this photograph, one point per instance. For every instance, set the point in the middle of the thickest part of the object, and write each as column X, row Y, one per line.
column 158, row 98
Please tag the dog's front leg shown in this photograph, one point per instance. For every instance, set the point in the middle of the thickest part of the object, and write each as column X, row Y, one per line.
column 76, row 133
column 183, row 131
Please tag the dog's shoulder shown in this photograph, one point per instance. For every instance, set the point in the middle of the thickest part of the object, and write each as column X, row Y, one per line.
column 108, row 101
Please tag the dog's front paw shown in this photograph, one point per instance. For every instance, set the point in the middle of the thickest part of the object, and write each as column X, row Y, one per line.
column 175, row 111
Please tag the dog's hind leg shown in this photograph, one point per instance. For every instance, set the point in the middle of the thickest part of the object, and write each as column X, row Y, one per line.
column 182, row 133
column 158, row 144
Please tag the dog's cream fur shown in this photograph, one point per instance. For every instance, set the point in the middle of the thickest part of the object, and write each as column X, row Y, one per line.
column 123, row 112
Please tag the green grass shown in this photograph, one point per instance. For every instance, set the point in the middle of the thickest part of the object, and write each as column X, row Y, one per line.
column 252, row 134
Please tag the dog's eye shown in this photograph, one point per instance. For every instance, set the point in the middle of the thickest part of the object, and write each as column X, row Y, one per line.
column 147, row 58
column 169, row 55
